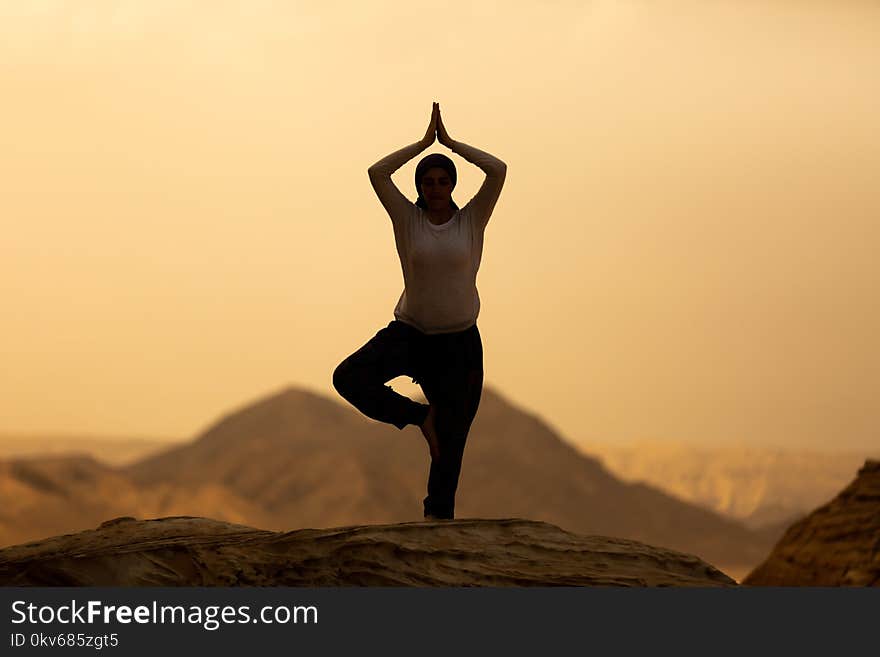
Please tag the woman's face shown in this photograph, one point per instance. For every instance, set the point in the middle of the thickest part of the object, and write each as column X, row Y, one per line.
column 437, row 188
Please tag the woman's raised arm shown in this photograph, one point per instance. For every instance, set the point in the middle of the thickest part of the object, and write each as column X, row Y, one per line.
column 482, row 204
column 396, row 204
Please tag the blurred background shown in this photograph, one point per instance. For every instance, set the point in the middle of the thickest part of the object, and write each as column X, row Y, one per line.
column 683, row 256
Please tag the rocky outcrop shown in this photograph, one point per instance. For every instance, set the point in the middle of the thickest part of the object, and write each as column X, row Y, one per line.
column 838, row 544
column 193, row 551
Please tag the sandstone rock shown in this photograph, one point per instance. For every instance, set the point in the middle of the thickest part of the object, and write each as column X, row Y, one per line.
column 838, row 544
column 193, row 551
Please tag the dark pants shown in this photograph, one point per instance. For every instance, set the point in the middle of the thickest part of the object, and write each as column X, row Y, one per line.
column 448, row 366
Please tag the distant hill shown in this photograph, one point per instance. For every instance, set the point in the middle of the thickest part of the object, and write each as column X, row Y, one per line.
column 112, row 451
column 42, row 497
column 314, row 462
column 298, row 459
column 761, row 486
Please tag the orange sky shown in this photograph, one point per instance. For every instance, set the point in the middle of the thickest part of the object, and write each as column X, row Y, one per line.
column 685, row 247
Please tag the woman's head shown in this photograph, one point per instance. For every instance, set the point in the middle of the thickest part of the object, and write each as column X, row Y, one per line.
column 435, row 180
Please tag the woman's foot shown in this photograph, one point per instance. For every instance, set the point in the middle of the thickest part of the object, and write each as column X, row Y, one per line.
column 429, row 431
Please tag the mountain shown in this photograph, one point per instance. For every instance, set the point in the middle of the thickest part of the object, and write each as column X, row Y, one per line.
column 186, row 551
column 298, row 459
column 41, row 497
column 762, row 487
column 114, row 451
column 838, row 544
column 310, row 461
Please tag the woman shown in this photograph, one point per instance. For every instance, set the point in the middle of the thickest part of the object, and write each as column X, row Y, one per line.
column 434, row 336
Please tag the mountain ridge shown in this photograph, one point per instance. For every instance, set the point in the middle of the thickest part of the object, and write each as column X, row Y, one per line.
column 295, row 458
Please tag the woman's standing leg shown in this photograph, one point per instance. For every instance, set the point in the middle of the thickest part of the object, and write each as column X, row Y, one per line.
column 361, row 377
column 453, row 382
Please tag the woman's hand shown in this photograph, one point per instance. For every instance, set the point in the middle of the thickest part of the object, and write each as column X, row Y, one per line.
column 442, row 136
column 431, row 134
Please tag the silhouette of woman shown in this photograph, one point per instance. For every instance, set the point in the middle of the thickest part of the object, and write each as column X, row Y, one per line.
column 434, row 336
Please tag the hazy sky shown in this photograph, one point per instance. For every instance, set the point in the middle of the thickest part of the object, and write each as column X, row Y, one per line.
column 685, row 247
